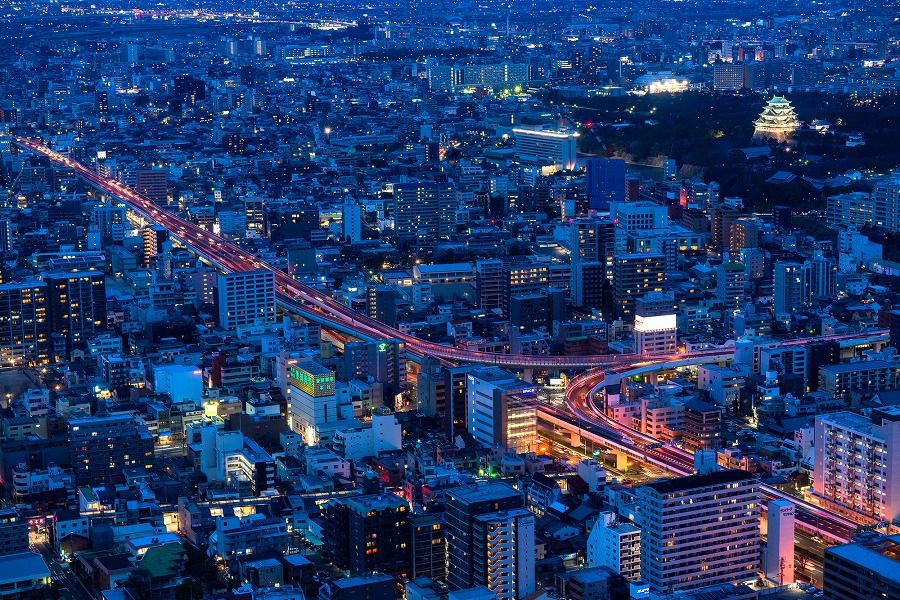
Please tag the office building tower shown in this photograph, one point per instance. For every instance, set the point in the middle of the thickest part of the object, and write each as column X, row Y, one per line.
column 503, row 544
column 76, row 304
column 441, row 394
column 24, row 329
column 381, row 301
column 730, row 279
column 464, row 504
column 820, row 276
column 246, row 298
column 101, row 100
column 632, row 216
column 701, row 426
column 699, row 530
column 887, row 203
column 489, row 284
column 788, row 288
column 312, row 400
column 616, row 545
column 853, row 209
column 502, row 410
column 605, row 179
column 13, row 532
column 655, row 324
column 100, row 447
column 151, row 183
column 670, row 169
column 254, row 214
column 779, row 552
column 855, row 462
column 867, row 567
column 425, row 206
column 6, row 235
column 429, row 547
column 722, row 220
column 552, row 147
column 351, row 220
column 155, row 237
column 292, row 223
column 522, row 279
column 818, row 355
column 382, row 360
column 378, row 535
column 634, row 276
column 729, row 76
column 782, row 217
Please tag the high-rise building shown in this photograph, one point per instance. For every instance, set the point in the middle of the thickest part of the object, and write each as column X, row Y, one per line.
column 155, row 237
column 670, row 169
column 779, row 552
column 429, row 547
column 503, row 545
column 464, row 504
column 76, row 304
column 867, row 567
column 102, row 446
column 655, row 324
column 382, row 304
column 699, row 530
column 887, row 203
column 554, row 147
column 489, row 284
column 24, row 330
column 616, row 545
column 312, row 400
column 13, row 532
column 383, row 360
column 521, row 279
column 351, row 220
column 254, row 213
column 856, row 460
column 729, row 76
column 6, row 235
column 378, row 535
column 246, row 298
column 634, row 276
column 442, row 394
column 425, row 206
column 730, row 278
column 152, row 184
column 592, row 246
column 605, row 179
column 701, row 426
column 502, row 410
column 788, row 288
column 643, row 214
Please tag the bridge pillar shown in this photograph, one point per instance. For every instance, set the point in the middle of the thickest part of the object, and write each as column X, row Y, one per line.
column 621, row 461
column 528, row 375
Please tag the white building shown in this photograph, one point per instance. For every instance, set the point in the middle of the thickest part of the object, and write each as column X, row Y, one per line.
column 699, row 530
column 246, row 298
column 855, row 249
column 615, row 545
column 656, row 324
column 383, row 434
column 183, row 383
column 723, row 384
column 779, row 553
column 856, row 462
column 887, row 203
column 502, row 410
column 505, row 540
column 634, row 216
column 557, row 147
column 236, row 536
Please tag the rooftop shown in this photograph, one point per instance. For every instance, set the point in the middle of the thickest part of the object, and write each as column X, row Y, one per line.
column 681, row 484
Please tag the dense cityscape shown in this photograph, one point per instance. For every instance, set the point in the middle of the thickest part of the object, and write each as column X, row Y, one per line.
column 440, row 300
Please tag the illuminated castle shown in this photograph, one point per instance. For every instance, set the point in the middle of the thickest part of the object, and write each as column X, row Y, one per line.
column 777, row 120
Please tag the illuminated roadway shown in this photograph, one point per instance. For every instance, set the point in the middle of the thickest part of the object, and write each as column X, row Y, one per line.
column 580, row 401
column 320, row 307
column 313, row 303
